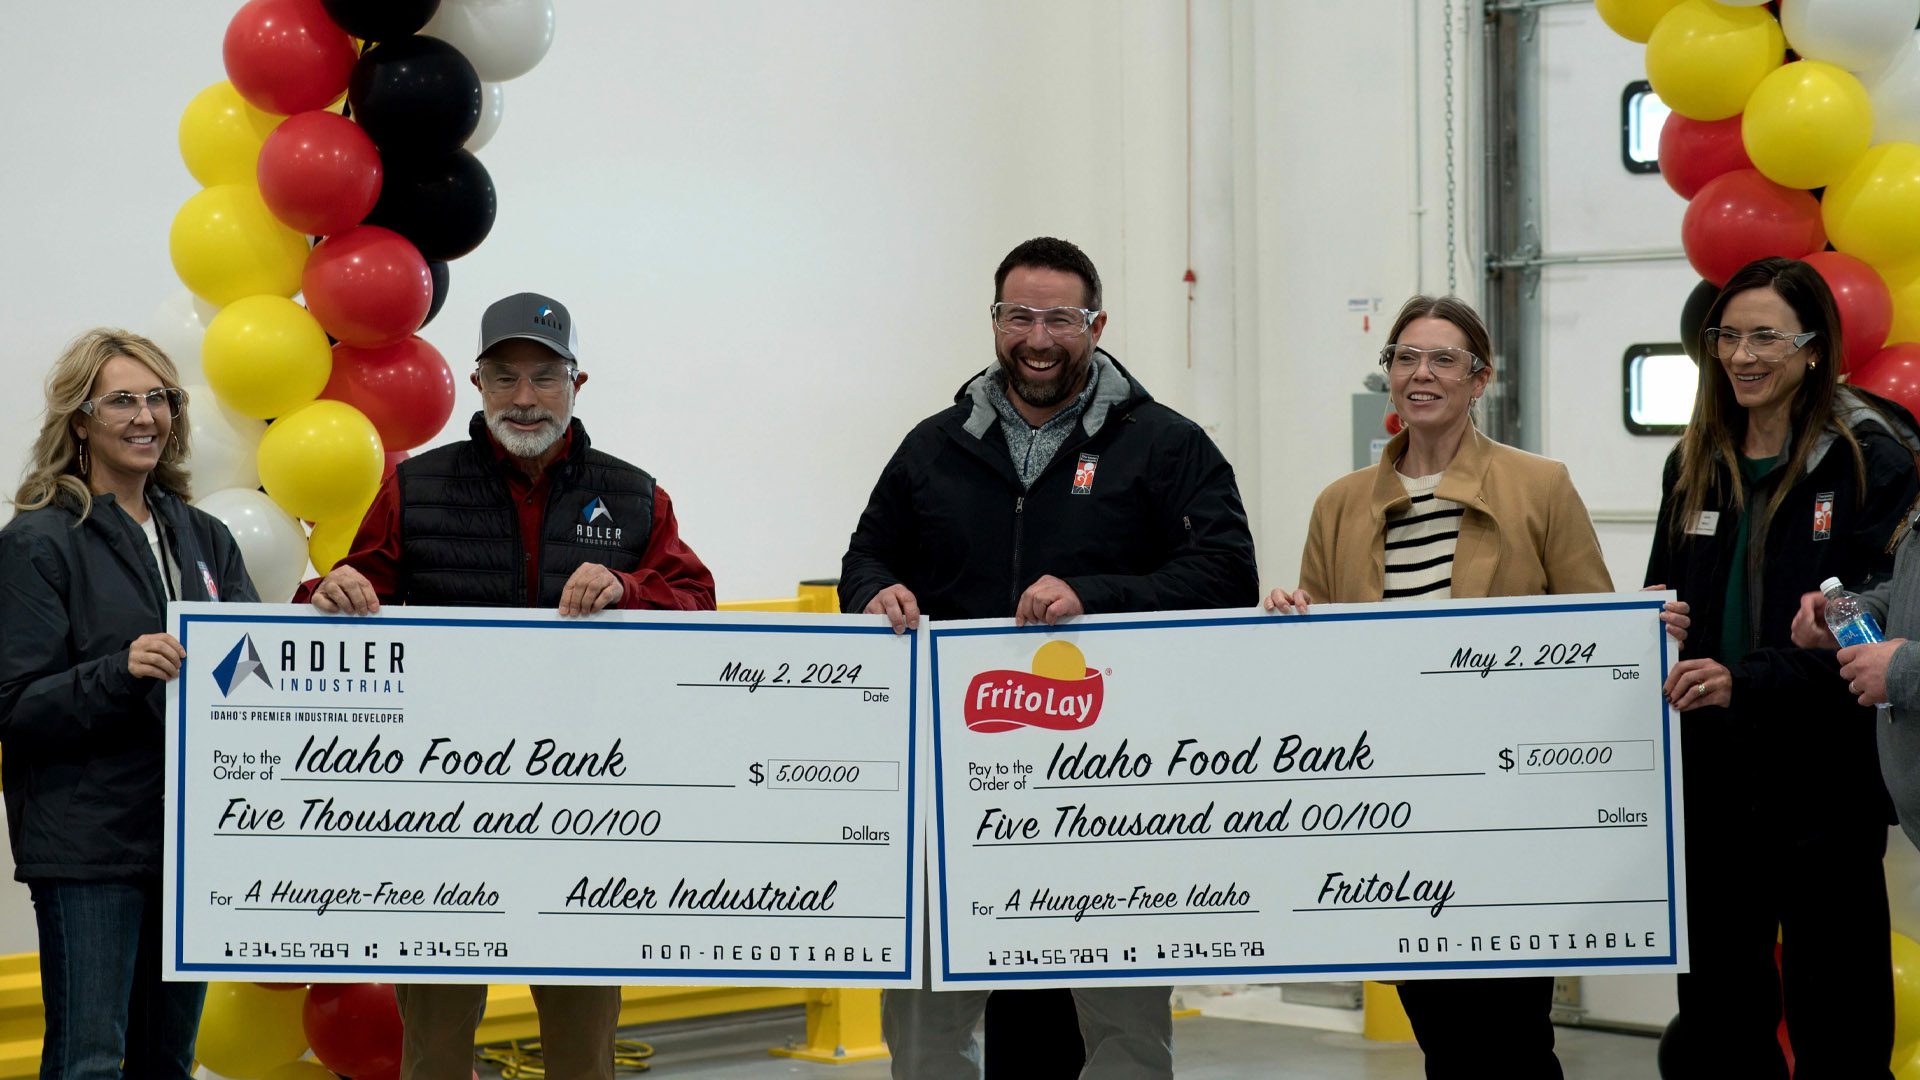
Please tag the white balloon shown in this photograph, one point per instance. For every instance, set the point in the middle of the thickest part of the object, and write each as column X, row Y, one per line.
column 222, row 445
column 1895, row 93
column 503, row 39
column 272, row 542
column 1859, row 35
column 179, row 323
column 493, row 104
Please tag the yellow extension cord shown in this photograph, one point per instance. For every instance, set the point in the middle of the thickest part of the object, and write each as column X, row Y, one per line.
column 520, row 1059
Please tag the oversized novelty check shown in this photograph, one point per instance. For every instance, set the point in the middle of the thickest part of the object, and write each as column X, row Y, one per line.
column 445, row 795
column 1379, row 791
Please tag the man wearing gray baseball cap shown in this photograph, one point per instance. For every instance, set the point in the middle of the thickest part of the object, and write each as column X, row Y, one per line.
column 523, row 513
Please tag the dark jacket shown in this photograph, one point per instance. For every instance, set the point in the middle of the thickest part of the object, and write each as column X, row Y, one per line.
column 1159, row 526
column 83, row 739
column 1794, row 746
column 462, row 534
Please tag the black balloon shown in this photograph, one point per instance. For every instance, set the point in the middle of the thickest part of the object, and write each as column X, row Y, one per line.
column 443, row 203
column 415, row 96
column 1674, row 1054
column 380, row 20
column 440, row 282
column 1693, row 317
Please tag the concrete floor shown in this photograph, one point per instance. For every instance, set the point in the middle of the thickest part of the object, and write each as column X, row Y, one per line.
column 1205, row 1048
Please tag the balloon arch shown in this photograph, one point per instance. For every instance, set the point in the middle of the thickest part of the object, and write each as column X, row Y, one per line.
column 1796, row 132
column 337, row 164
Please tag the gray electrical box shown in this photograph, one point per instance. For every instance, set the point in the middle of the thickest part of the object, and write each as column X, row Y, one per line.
column 1369, row 430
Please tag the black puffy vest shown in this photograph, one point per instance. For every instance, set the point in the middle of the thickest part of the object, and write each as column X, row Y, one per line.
column 460, row 536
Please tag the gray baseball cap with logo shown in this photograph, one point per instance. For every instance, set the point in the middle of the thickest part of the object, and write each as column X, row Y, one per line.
column 533, row 317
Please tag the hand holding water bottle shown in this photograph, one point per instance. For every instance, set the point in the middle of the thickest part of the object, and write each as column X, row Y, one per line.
column 1865, row 653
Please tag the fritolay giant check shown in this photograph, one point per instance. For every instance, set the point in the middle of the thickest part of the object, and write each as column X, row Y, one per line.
column 1381, row 791
column 451, row 795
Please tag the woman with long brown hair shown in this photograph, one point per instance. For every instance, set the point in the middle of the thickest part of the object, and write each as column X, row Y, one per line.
column 1783, row 478
column 103, row 539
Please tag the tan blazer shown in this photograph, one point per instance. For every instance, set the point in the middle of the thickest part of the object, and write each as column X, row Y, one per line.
column 1525, row 531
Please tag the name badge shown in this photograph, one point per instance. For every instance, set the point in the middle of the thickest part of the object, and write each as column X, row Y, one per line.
column 1705, row 523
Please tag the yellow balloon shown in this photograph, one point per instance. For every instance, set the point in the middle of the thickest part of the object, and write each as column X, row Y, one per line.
column 321, row 461
column 1906, row 997
column 1807, row 124
column 1904, row 283
column 1633, row 19
column 218, row 138
column 247, row 1030
column 1705, row 59
column 1873, row 213
column 300, row 1070
column 226, row 244
column 265, row 356
column 332, row 539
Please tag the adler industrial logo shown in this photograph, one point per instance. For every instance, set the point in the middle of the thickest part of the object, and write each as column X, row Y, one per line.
column 312, row 666
column 596, row 524
column 1061, row 693
column 242, row 662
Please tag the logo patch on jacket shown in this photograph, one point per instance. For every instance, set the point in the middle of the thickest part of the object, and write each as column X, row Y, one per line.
column 206, row 578
column 1083, row 474
column 596, row 525
column 1823, row 516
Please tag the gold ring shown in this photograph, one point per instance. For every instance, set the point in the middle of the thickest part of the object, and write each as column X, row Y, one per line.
column 1700, row 688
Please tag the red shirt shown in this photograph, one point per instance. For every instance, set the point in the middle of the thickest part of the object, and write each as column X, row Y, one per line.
column 670, row 576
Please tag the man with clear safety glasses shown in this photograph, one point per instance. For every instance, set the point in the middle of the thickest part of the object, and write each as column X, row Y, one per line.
column 523, row 513
column 1053, row 486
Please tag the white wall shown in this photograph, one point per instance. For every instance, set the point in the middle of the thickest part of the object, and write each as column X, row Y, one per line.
column 776, row 223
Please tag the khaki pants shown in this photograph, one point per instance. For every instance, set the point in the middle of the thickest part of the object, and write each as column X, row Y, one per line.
column 576, row 1030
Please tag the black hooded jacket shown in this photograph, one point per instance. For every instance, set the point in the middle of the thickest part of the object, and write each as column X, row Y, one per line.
column 83, row 738
column 1152, row 522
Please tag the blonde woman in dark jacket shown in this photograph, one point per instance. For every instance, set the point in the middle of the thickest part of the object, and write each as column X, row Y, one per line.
column 103, row 539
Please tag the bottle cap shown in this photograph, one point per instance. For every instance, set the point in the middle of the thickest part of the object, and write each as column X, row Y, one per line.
column 1831, row 586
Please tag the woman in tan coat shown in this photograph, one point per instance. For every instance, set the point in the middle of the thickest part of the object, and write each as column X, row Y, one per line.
column 1449, row 512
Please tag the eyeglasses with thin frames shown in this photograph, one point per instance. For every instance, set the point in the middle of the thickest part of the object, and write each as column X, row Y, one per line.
column 1444, row 363
column 1060, row 323
column 123, row 406
column 1766, row 346
column 503, row 379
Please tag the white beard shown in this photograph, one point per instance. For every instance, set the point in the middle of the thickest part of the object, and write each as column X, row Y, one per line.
column 529, row 444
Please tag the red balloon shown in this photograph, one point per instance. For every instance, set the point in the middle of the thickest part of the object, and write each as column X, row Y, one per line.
column 1693, row 152
column 367, row 286
column 1865, row 303
column 1742, row 216
column 1894, row 373
column 406, row 389
column 287, row 56
column 319, row 173
column 354, row 1028
column 394, row 458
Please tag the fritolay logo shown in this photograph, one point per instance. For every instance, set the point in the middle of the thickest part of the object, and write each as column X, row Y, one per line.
column 240, row 663
column 1061, row 693
column 596, row 525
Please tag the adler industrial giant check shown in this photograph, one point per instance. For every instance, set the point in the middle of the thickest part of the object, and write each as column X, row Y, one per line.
column 445, row 795
column 1381, row 791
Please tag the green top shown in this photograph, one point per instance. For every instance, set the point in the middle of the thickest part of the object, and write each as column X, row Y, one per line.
column 1736, row 622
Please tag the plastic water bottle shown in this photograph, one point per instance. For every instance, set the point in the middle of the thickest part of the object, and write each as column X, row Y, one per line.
column 1847, row 617
column 1852, row 624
